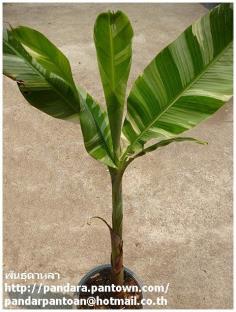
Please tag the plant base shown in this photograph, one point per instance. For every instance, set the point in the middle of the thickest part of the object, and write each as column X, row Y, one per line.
column 102, row 276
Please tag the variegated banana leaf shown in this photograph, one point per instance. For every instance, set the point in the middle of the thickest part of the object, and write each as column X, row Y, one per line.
column 44, row 78
column 42, row 72
column 185, row 83
column 96, row 130
column 113, row 38
column 163, row 143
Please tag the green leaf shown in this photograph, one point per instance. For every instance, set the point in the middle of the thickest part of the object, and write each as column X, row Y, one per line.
column 42, row 72
column 113, row 37
column 96, row 129
column 44, row 78
column 162, row 143
column 185, row 83
column 44, row 52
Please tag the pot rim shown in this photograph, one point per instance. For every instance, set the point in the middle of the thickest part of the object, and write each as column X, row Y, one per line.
column 105, row 266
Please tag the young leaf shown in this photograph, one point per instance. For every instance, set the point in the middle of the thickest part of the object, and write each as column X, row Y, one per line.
column 185, row 83
column 113, row 37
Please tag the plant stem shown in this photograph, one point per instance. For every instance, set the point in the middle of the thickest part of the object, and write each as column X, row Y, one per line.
column 116, row 235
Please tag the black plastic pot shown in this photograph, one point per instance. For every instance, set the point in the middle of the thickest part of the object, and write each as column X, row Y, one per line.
column 98, row 269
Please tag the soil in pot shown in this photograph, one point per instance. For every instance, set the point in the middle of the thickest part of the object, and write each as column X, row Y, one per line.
column 103, row 277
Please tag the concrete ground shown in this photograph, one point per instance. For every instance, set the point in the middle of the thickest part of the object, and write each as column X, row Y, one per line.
column 177, row 200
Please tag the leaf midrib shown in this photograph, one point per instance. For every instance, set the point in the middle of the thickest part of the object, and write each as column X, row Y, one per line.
column 112, row 54
column 177, row 98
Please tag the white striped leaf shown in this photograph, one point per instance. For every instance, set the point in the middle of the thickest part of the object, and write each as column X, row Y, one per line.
column 96, row 130
column 162, row 143
column 185, row 83
column 113, row 37
column 37, row 72
column 44, row 78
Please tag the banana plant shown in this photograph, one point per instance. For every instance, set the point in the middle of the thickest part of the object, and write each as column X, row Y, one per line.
column 183, row 85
